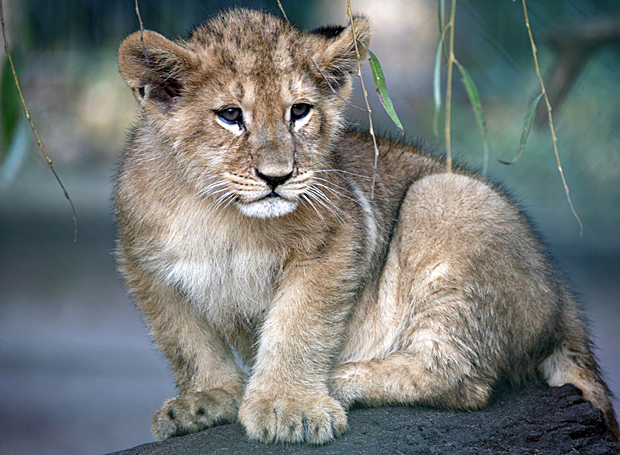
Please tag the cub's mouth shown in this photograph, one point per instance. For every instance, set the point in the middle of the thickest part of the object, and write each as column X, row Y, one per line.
column 270, row 206
column 267, row 197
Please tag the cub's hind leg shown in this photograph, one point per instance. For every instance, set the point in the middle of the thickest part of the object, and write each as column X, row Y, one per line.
column 467, row 279
column 432, row 371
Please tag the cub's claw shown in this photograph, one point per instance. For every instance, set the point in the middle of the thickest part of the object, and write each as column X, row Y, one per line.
column 194, row 412
column 315, row 419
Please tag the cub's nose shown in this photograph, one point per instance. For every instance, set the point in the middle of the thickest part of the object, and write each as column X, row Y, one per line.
column 274, row 178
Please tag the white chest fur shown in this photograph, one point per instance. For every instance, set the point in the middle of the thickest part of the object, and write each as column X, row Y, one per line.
column 225, row 273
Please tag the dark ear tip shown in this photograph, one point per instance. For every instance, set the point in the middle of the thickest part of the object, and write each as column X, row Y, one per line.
column 328, row 31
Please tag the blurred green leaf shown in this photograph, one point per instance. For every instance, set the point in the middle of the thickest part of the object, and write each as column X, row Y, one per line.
column 10, row 107
column 442, row 14
column 525, row 133
column 437, row 82
column 474, row 99
column 16, row 155
column 381, row 87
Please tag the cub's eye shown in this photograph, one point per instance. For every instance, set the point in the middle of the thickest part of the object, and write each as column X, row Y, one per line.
column 231, row 115
column 299, row 111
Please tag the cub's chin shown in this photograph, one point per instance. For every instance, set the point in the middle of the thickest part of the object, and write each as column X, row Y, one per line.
column 267, row 207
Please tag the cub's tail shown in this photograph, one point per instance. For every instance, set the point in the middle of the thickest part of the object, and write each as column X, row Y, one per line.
column 573, row 362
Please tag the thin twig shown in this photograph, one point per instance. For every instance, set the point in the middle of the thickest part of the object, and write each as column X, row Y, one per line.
column 551, row 126
column 34, row 131
column 371, row 129
column 283, row 13
column 148, row 62
column 449, row 88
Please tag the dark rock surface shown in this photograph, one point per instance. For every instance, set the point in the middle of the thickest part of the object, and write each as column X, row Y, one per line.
column 533, row 420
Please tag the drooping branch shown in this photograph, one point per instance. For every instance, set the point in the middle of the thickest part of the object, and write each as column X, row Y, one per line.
column 29, row 118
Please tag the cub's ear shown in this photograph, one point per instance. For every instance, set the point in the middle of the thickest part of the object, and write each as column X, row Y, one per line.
column 155, row 68
column 335, row 53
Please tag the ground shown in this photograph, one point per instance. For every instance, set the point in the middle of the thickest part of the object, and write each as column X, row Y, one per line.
column 535, row 420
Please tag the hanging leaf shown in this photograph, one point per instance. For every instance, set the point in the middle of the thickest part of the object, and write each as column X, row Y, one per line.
column 437, row 82
column 381, row 88
column 16, row 155
column 525, row 133
column 474, row 99
column 9, row 108
column 441, row 10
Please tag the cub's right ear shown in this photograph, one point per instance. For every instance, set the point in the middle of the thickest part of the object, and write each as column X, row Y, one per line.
column 155, row 68
column 336, row 53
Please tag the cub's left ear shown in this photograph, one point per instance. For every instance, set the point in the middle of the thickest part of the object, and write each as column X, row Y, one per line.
column 335, row 54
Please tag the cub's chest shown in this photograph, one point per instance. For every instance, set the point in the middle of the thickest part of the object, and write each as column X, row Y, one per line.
column 223, row 273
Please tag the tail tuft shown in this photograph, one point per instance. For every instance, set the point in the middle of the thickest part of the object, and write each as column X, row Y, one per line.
column 573, row 366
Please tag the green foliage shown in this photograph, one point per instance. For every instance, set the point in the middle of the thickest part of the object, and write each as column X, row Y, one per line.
column 525, row 133
column 437, row 76
column 474, row 99
column 10, row 107
column 381, row 87
column 14, row 138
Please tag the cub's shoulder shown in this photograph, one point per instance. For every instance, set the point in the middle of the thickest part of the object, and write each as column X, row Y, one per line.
column 398, row 161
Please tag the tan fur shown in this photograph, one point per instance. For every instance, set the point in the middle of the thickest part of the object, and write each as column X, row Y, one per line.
column 247, row 234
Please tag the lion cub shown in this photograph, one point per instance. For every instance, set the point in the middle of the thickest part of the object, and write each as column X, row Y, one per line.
column 280, row 291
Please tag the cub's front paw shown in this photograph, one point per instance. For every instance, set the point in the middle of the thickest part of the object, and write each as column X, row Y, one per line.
column 194, row 412
column 315, row 419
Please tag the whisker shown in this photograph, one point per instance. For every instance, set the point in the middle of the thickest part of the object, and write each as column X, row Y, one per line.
column 213, row 189
column 312, row 196
column 326, row 202
column 222, row 201
column 341, row 171
column 217, row 193
column 334, row 191
column 330, row 201
column 344, row 189
column 306, row 197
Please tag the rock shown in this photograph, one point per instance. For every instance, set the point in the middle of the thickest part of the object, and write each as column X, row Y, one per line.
column 533, row 420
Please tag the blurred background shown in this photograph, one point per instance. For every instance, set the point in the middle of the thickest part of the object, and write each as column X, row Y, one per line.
column 78, row 373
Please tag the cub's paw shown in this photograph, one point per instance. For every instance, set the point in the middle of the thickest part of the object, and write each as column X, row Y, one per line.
column 315, row 419
column 194, row 412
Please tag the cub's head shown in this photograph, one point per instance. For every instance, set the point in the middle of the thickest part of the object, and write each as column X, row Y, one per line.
column 248, row 106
